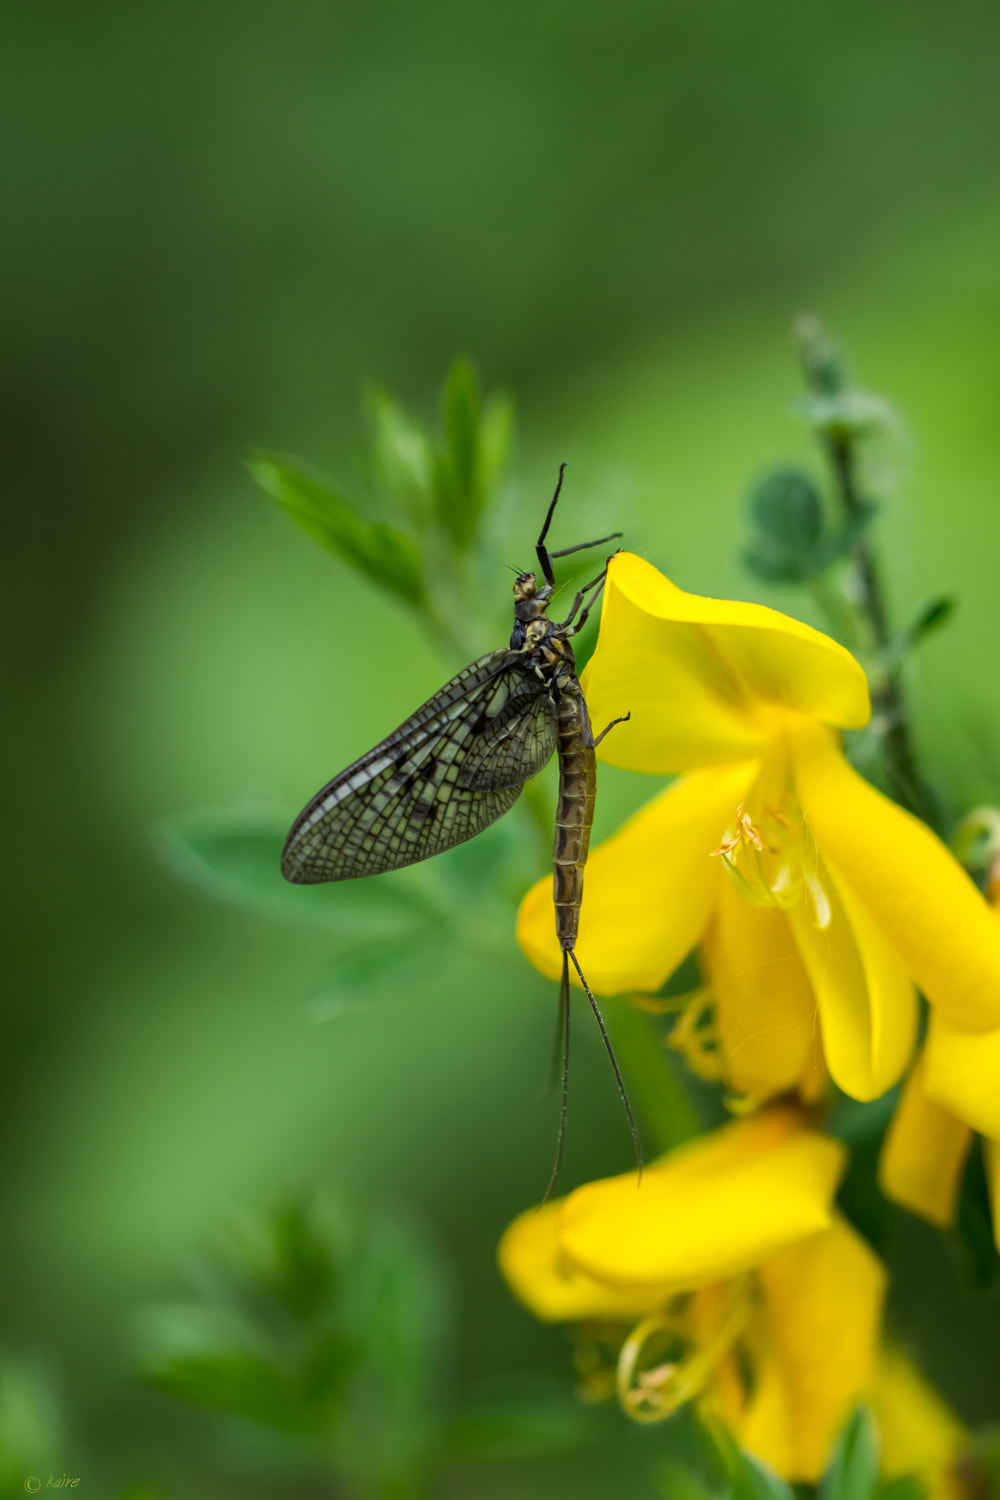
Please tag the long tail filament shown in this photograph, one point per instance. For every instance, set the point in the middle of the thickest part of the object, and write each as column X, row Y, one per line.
column 562, row 1033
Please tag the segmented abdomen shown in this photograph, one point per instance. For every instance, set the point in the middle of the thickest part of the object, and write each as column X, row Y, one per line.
column 575, row 813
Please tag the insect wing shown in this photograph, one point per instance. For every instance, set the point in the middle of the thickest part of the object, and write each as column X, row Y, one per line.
column 516, row 740
column 448, row 772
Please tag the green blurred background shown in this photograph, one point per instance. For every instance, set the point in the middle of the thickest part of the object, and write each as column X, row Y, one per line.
column 218, row 222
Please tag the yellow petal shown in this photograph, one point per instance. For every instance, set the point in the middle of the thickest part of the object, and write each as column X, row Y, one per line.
column 649, row 889
column 765, row 1005
column 550, row 1285
column 867, row 1006
column 919, row 895
column 920, row 1434
column 963, row 1074
column 766, row 1424
column 696, row 673
column 825, row 1300
column 924, row 1154
column 708, row 1210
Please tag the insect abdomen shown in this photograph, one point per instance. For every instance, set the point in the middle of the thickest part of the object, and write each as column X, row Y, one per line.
column 575, row 812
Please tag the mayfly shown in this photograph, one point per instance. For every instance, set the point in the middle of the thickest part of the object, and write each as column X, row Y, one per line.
column 459, row 762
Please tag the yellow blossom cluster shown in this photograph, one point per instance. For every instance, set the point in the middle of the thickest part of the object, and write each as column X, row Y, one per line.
column 818, row 909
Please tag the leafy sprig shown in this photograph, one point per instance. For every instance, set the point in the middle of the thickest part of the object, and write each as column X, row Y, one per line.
column 325, row 1341
column 823, row 542
column 417, row 534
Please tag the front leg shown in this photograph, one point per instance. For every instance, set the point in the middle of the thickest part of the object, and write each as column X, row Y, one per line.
column 597, row 584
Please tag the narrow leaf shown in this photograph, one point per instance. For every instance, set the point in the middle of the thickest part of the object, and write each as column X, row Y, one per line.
column 235, row 857
column 239, row 1383
column 401, row 458
column 749, row 1478
column 678, row 1482
column 933, row 614
column 495, row 435
column 385, row 555
column 402, row 1312
column 755, row 1480
column 852, row 1473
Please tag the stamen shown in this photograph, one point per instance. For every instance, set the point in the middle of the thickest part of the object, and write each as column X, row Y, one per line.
column 670, row 1356
column 764, row 873
column 696, row 1036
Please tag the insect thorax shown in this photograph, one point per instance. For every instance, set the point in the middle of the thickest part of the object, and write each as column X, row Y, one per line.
column 531, row 600
column 548, row 655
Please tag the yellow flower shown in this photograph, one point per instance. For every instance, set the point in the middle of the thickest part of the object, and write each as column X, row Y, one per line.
column 734, row 1281
column 824, row 899
column 952, row 1093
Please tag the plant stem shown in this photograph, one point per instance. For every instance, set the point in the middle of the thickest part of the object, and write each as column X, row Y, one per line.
column 888, row 702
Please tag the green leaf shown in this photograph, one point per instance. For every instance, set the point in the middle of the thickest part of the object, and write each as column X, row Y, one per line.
column 928, row 618
column 298, row 1391
column 786, row 506
column 749, row 1478
column 474, row 448
column 755, row 1480
column 852, row 1473
column 401, row 1313
column 303, row 1267
column 402, row 1301
column 786, row 518
column 495, row 435
column 385, row 555
column 677, row 1482
column 401, row 457
column 329, row 1365
column 235, row 857
column 243, row 1384
column 935, row 613
column 532, row 1426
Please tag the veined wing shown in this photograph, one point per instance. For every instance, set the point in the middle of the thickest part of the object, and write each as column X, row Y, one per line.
column 448, row 772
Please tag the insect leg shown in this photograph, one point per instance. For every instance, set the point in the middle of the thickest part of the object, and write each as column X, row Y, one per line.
column 610, row 1051
column 563, row 1033
column 583, row 546
column 541, row 552
column 623, row 720
column 598, row 585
